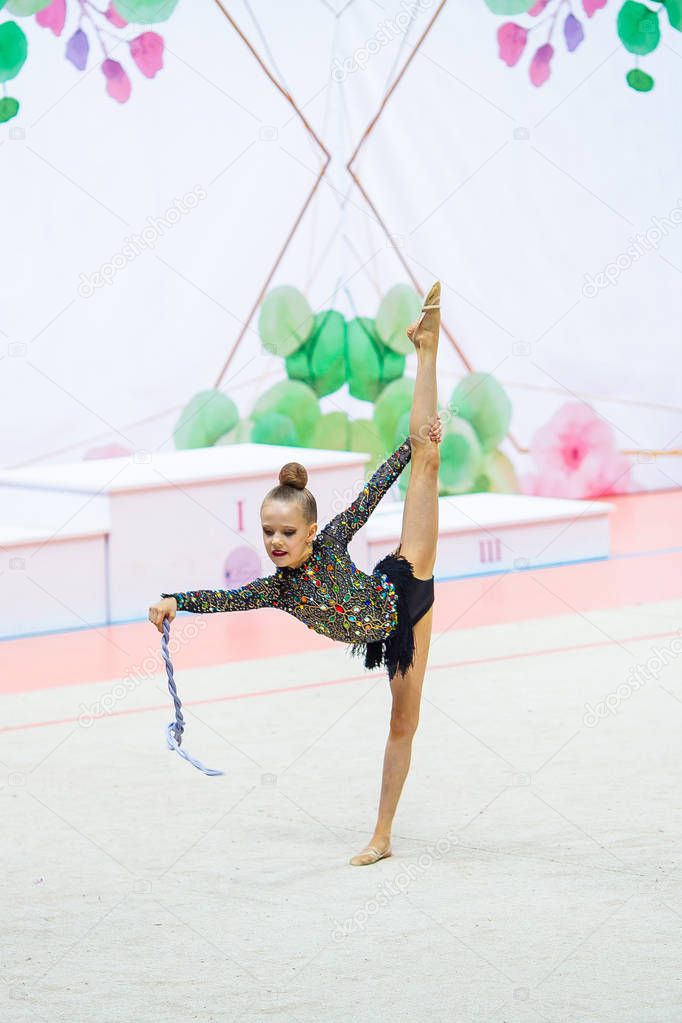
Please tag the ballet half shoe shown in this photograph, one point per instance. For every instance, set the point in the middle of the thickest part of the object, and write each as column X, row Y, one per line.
column 432, row 300
column 371, row 855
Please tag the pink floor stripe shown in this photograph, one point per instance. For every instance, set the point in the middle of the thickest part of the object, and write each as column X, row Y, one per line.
column 640, row 523
column 366, row 677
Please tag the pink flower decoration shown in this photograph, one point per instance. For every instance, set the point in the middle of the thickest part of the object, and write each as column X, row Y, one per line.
column 53, row 16
column 577, row 457
column 590, row 6
column 511, row 39
column 114, row 17
column 539, row 67
column 147, row 52
column 538, row 8
column 118, row 83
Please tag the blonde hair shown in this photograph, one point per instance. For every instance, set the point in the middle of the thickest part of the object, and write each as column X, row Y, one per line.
column 293, row 479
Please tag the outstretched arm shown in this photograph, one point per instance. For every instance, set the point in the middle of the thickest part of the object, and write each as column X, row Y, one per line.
column 344, row 525
column 258, row 593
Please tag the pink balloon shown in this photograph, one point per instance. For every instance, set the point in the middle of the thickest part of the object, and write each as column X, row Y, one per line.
column 511, row 39
column 147, row 52
column 118, row 83
column 53, row 16
column 538, row 8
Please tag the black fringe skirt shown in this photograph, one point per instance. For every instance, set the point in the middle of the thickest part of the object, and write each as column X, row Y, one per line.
column 415, row 597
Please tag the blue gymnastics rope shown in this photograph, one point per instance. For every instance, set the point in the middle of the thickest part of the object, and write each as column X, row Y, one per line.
column 175, row 729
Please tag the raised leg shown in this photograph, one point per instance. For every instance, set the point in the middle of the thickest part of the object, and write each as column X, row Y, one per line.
column 419, row 534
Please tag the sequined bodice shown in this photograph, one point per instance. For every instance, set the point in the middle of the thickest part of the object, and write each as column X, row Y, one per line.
column 327, row 592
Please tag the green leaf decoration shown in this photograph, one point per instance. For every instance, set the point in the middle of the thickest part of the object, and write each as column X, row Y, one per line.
column 638, row 27
column 146, row 12
column 13, row 50
column 239, row 434
column 328, row 352
column 365, row 436
column 461, row 457
column 275, row 428
column 392, row 365
column 674, row 9
column 24, row 8
column 481, row 400
column 205, row 418
column 332, row 431
column 9, row 108
column 298, row 364
column 294, row 399
column 399, row 307
column 509, row 6
column 285, row 320
column 391, row 404
column 363, row 359
column 639, row 80
column 500, row 474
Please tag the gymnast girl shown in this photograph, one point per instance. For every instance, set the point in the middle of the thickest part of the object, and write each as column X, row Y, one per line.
column 385, row 617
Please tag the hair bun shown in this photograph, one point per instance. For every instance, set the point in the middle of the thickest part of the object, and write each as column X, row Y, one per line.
column 293, row 474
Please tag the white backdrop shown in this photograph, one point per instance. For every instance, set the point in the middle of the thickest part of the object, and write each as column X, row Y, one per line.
column 515, row 197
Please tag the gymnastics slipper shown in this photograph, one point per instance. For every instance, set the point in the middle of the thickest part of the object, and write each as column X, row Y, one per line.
column 370, row 856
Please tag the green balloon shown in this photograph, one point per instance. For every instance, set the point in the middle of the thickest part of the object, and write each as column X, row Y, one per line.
column 298, row 364
column 331, row 431
column 9, row 108
column 365, row 436
column 500, row 474
column 24, row 8
column 461, row 458
column 392, row 365
column 399, row 307
column 146, row 12
column 481, row 400
column 294, row 399
column 402, row 429
column 275, row 428
column 331, row 381
column 13, row 50
column 328, row 352
column 239, row 434
column 363, row 359
column 285, row 320
column 393, row 401
column 205, row 418
column 638, row 27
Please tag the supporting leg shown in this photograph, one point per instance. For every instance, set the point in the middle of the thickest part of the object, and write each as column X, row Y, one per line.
column 406, row 691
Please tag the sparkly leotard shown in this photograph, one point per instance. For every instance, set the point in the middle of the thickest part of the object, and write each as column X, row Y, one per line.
column 327, row 592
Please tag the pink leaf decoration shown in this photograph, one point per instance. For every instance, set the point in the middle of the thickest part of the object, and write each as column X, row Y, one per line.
column 511, row 39
column 539, row 68
column 538, row 8
column 590, row 6
column 114, row 17
column 53, row 16
column 147, row 52
column 118, row 83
